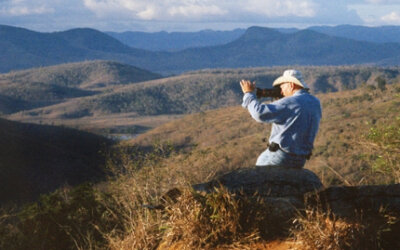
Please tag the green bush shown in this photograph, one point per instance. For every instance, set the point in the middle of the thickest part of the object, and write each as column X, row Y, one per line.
column 381, row 83
column 384, row 140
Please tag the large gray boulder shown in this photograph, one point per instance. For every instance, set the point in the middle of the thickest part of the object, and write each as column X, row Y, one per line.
column 281, row 189
column 266, row 182
column 288, row 190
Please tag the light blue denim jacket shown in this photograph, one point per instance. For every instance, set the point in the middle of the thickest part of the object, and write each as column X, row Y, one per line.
column 295, row 120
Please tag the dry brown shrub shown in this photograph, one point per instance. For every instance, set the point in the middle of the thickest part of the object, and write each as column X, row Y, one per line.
column 142, row 225
column 219, row 220
column 321, row 230
column 134, row 186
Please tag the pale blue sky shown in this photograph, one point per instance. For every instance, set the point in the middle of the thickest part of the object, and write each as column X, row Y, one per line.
column 193, row 15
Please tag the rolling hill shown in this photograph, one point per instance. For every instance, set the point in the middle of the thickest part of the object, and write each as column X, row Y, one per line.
column 215, row 136
column 195, row 149
column 37, row 159
column 357, row 145
column 258, row 46
column 28, row 89
column 198, row 91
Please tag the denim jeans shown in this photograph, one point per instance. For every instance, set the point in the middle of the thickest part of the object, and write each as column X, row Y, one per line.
column 280, row 158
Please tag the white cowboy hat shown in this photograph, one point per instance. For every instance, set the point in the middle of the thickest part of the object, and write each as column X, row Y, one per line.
column 291, row 75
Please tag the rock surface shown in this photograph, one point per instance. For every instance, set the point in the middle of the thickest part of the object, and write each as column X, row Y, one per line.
column 282, row 189
column 285, row 193
column 287, row 190
column 266, row 181
column 344, row 201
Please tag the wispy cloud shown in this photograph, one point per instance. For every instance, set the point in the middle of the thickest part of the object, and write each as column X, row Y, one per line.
column 23, row 8
column 196, row 11
column 256, row 11
column 153, row 15
column 392, row 18
column 273, row 8
column 155, row 10
column 377, row 12
column 383, row 1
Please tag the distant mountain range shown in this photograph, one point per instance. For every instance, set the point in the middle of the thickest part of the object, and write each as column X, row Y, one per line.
column 174, row 41
column 21, row 48
column 382, row 34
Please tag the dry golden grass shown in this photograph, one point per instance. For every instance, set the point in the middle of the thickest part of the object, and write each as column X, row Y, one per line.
column 201, row 146
column 193, row 221
column 198, row 221
column 217, row 141
column 320, row 230
column 221, row 221
column 141, row 224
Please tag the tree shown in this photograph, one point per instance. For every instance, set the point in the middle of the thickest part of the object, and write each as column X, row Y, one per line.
column 381, row 83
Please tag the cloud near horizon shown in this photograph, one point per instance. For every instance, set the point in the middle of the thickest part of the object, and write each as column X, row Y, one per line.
column 154, row 9
column 187, row 14
column 24, row 7
column 197, row 9
column 393, row 17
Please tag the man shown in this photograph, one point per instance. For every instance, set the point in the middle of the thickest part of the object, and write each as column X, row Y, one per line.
column 295, row 120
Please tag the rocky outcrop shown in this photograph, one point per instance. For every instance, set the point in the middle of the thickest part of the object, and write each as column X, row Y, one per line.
column 271, row 199
column 287, row 190
column 282, row 189
column 266, row 182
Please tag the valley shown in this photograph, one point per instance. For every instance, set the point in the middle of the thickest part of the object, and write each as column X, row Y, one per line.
column 120, row 98
column 96, row 134
column 198, row 112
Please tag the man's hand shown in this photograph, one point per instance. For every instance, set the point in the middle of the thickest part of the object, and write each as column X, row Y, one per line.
column 247, row 86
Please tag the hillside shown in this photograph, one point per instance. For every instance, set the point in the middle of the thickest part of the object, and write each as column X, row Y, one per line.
column 27, row 89
column 356, row 145
column 37, row 159
column 194, row 92
column 21, row 49
column 86, row 75
column 217, row 141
